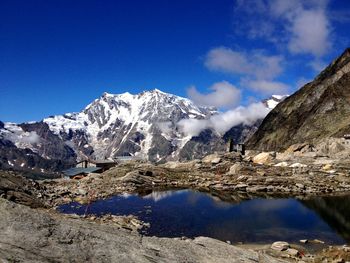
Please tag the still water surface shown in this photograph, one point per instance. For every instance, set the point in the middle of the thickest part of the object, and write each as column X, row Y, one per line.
column 190, row 213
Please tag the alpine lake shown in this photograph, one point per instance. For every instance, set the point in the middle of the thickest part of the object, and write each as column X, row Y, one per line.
column 190, row 213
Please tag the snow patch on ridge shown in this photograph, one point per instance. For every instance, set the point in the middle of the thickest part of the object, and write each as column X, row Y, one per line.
column 272, row 102
column 19, row 137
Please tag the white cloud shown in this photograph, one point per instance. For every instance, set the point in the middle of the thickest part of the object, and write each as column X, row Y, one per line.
column 19, row 137
column 224, row 95
column 226, row 60
column 257, row 70
column 192, row 127
column 310, row 33
column 224, row 121
column 306, row 24
column 255, row 64
column 265, row 86
column 165, row 127
column 268, row 67
column 297, row 26
column 30, row 137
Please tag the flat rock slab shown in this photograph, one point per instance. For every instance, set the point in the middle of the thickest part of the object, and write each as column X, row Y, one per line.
column 30, row 235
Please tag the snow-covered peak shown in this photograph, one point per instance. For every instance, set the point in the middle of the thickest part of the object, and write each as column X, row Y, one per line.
column 279, row 97
column 113, row 120
column 143, row 125
column 139, row 110
column 155, row 91
column 110, row 109
column 274, row 100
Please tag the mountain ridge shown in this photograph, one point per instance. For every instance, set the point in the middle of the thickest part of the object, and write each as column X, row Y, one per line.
column 143, row 125
column 319, row 110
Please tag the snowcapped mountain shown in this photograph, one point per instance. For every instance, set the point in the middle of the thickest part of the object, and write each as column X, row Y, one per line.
column 143, row 125
column 126, row 124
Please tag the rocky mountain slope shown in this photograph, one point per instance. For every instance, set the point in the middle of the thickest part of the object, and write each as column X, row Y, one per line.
column 144, row 125
column 20, row 149
column 319, row 110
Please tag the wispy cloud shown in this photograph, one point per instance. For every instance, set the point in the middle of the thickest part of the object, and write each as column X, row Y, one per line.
column 317, row 65
column 310, row 33
column 223, row 95
column 222, row 122
column 266, row 87
column 297, row 26
column 254, row 64
column 256, row 69
column 294, row 28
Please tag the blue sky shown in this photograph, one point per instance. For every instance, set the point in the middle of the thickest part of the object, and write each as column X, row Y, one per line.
column 57, row 56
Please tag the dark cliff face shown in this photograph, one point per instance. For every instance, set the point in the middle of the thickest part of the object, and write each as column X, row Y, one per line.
column 242, row 132
column 320, row 109
column 335, row 210
column 199, row 146
column 13, row 158
column 51, row 145
column 51, row 154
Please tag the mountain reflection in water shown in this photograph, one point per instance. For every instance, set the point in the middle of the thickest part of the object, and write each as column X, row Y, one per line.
column 237, row 219
column 334, row 210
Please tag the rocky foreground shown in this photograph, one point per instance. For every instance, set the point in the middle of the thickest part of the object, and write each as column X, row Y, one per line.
column 292, row 173
column 38, row 236
column 32, row 231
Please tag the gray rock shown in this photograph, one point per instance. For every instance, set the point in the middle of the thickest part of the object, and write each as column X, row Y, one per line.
column 293, row 252
column 280, row 245
column 241, row 186
column 18, row 189
column 234, row 169
column 216, row 160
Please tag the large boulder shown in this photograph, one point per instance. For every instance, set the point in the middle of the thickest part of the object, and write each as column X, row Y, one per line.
column 280, row 245
column 235, row 169
column 212, row 158
column 264, row 158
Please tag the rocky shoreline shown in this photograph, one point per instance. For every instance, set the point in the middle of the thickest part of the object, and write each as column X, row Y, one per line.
column 229, row 176
column 226, row 173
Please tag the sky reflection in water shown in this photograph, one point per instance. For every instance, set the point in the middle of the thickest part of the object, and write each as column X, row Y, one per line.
column 190, row 213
